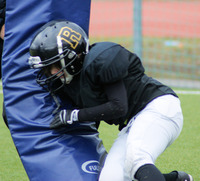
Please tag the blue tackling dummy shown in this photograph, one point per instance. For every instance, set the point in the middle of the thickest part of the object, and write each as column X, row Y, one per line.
column 68, row 154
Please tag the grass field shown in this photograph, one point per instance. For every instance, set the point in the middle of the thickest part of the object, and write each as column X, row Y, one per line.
column 182, row 155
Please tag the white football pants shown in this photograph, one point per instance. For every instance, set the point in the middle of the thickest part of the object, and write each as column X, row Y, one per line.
column 146, row 136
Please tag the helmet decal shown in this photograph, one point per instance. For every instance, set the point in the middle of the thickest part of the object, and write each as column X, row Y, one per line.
column 67, row 33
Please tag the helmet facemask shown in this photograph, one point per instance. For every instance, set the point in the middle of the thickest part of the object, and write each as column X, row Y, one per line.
column 65, row 61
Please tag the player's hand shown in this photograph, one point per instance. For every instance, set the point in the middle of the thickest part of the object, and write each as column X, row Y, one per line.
column 63, row 118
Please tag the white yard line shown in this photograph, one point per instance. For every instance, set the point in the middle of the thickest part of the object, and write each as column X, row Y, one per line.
column 187, row 92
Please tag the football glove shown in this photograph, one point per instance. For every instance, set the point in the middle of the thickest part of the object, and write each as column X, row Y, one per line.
column 63, row 118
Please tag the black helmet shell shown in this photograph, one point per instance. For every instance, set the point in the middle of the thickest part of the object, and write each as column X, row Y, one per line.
column 73, row 37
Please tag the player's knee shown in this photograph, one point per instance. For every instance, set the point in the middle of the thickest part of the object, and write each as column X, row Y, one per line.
column 112, row 173
column 134, row 159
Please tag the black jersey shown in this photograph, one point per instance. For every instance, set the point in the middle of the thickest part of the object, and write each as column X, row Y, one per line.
column 109, row 62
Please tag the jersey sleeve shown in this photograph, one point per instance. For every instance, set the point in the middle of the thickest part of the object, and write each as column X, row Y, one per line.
column 112, row 110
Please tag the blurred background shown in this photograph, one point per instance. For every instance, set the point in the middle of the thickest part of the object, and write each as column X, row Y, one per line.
column 165, row 34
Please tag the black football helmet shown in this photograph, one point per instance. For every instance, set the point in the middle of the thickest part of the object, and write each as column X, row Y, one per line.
column 62, row 44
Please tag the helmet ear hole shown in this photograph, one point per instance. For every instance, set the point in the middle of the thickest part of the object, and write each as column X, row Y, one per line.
column 73, row 63
column 74, row 68
column 71, row 55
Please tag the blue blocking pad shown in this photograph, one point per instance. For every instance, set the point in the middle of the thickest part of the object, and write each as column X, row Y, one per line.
column 73, row 153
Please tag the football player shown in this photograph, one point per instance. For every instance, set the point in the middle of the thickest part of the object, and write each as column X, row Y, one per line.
column 107, row 82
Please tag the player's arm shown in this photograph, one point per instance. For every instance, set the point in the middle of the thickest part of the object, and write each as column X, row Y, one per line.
column 116, row 107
